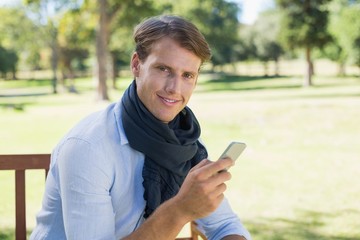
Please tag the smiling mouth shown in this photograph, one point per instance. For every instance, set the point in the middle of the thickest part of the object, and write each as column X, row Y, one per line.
column 169, row 100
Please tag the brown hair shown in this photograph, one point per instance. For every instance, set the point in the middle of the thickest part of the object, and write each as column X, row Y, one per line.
column 182, row 31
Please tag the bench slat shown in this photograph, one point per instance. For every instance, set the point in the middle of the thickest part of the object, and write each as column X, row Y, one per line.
column 24, row 161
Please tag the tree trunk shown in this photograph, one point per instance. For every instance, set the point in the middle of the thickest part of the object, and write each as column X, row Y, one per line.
column 13, row 71
column 266, row 69
column 115, row 72
column 54, row 59
column 341, row 69
column 277, row 67
column 309, row 71
column 101, row 50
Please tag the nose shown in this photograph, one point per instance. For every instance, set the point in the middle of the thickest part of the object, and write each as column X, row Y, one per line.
column 173, row 84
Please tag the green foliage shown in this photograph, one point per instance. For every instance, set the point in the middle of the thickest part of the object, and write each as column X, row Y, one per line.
column 266, row 30
column 66, row 28
column 304, row 23
column 121, row 43
column 18, row 33
column 246, row 46
column 349, row 32
column 47, row 14
column 15, row 27
column 334, row 52
column 76, row 29
column 8, row 61
column 342, row 48
column 75, row 36
column 218, row 21
column 304, row 26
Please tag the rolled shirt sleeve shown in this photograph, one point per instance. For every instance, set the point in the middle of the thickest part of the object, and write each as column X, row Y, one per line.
column 221, row 223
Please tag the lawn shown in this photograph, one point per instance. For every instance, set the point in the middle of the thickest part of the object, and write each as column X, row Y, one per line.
column 298, row 178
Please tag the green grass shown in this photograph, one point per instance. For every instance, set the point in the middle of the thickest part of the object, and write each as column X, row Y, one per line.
column 298, row 178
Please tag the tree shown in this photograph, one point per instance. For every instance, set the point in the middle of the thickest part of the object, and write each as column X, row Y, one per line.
column 349, row 32
column 246, row 46
column 121, row 44
column 266, row 30
column 107, row 11
column 17, row 36
column 75, row 37
column 304, row 25
column 8, row 61
column 334, row 51
column 218, row 21
column 48, row 12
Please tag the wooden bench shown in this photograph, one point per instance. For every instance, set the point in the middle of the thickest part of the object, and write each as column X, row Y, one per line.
column 21, row 162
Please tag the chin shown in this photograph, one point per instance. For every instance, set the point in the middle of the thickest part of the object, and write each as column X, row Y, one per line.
column 166, row 119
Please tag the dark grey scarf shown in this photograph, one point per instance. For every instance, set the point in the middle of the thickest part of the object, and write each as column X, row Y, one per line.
column 171, row 150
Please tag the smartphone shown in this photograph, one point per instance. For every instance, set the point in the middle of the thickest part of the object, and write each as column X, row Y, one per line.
column 233, row 151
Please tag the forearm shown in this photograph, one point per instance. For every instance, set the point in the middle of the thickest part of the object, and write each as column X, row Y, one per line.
column 165, row 223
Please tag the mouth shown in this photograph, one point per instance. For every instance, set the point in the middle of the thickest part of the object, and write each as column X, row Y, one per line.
column 169, row 101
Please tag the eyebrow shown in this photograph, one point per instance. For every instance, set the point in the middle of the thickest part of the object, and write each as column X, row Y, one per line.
column 171, row 68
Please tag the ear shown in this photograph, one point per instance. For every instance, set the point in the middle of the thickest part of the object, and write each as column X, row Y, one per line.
column 135, row 64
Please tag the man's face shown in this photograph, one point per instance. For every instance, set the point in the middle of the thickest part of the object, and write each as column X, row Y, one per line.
column 166, row 79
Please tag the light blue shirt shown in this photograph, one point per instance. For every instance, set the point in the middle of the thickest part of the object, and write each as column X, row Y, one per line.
column 94, row 187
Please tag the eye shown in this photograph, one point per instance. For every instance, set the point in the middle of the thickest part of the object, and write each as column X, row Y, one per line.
column 188, row 75
column 163, row 69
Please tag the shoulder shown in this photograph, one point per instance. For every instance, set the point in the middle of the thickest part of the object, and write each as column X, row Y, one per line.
column 97, row 139
column 90, row 138
column 95, row 126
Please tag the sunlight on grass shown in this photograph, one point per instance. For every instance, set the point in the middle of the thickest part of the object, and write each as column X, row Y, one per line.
column 302, row 157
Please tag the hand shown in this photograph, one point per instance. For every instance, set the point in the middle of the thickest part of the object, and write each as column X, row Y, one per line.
column 203, row 188
column 200, row 194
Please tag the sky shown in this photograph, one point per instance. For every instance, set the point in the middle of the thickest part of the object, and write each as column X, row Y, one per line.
column 250, row 8
column 8, row 2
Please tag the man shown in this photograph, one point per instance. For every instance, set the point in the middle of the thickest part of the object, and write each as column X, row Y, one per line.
column 137, row 169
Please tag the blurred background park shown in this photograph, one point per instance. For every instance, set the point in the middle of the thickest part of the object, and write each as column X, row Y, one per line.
column 286, row 82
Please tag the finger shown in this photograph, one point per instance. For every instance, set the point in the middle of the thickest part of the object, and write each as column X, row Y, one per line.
column 219, row 190
column 232, row 164
column 220, row 177
column 215, row 167
column 200, row 164
column 217, row 201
